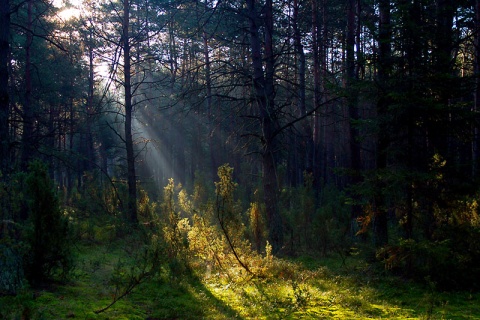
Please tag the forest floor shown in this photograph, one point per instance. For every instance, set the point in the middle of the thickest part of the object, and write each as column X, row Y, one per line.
column 308, row 288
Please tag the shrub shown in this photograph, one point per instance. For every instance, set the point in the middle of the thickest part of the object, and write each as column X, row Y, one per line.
column 47, row 230
column 11, row 275
column 450, row 263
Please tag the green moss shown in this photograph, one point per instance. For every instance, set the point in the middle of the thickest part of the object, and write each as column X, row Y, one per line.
column 306, row 289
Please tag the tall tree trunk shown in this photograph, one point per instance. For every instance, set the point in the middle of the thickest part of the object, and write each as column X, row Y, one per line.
column 211, row 123
column 264, row 98
column 476, row 104
column 173, row 55
column 131, row 177
column 71, row 129
column 442, row 67
column 27, row 133
column 4, row 96
column 317, row 159
column 301, row 95
column 50, row 141
column 360, row 66
column 351, row 91
column 380, row 223
column 412, row 14
column 90, row 107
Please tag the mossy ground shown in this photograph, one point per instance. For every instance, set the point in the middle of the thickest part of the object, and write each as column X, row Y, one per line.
column 304, row 288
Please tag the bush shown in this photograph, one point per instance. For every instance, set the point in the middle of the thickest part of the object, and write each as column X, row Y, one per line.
column 11, row 275
column 451, row 263
column 47, row 230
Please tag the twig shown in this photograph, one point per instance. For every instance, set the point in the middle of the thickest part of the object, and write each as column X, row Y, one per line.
column 134, row 281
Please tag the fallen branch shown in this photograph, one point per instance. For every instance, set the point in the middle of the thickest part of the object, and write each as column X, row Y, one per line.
column 128, row 290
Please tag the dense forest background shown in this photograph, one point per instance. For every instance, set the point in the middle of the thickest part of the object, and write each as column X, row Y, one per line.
column 287, row 127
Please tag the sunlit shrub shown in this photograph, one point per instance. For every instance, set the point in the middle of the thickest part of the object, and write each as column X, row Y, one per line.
column 205, row 242
column 174, row 235
column 217, row 238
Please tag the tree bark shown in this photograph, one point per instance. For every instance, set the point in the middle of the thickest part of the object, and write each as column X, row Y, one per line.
column 90, row 163
column 264, row 99
column 380, row 223
column 211, row 120
column 350, row 79
column 27, row 133
column 317, row 160
column 131, row 177
column 476, row 103
column 301, row 95
column 4, row 96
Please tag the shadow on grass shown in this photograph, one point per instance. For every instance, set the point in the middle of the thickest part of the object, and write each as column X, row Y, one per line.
column 90, row 289
column 186, row 298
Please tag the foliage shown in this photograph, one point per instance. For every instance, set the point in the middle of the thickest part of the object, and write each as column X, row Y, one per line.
column 12, row 246
column 47, row 234
column 97, row 198
column 228, row 215
column 174, row 230
column 452, row 262
column 11, row 264
column 318, row 222
column 217, row 233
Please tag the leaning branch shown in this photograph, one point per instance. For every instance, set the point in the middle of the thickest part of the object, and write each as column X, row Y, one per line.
column 41, row 36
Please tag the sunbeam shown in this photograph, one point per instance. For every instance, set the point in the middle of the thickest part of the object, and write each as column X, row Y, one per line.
column 155, row 160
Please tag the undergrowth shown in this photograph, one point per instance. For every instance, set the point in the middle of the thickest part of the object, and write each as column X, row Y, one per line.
column 194, row 257
column 284, row 289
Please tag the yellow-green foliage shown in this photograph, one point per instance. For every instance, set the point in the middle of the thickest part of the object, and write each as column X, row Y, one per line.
column 205, row 242
column 458, row 212
column 147, row 210
column 217, row 234
column 175, row 229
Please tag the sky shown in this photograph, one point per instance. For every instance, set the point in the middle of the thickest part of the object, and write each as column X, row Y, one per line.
column 70, row 12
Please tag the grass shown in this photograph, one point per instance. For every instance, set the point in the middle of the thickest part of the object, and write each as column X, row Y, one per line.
column 304, row 288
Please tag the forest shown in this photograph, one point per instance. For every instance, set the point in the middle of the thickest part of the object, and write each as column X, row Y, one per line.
column 257, row 159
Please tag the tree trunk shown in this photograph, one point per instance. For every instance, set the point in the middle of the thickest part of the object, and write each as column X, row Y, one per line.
column 350, row 79
column 264, row 98
column 380, row 223
column 27, row 133
column 301, row 100
column 90, row 107
column 211, row 123
column 131, row 177
column 476, row 104
column 4, row 96
column 317, row 159
column 360, row 66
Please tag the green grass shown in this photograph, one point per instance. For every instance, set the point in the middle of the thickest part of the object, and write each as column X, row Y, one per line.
column 304, row 288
